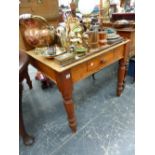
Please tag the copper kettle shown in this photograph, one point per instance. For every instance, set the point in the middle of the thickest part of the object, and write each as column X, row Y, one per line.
column 37, row 32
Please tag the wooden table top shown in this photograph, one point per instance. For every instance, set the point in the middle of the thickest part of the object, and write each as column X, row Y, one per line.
column 57, row 67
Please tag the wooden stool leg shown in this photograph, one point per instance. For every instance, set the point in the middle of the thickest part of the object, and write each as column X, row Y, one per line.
column 29, row 82
column 93, row 76
column 28, row 140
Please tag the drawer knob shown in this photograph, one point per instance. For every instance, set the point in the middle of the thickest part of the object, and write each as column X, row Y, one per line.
column 91, row 64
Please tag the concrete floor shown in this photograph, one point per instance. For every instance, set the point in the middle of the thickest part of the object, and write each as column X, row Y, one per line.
column 105, row 122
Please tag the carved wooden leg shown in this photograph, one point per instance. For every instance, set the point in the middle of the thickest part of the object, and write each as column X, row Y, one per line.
column 126, row 62
column 126, row 72
column 65, row 86
column 28, row 140
column 121, row 76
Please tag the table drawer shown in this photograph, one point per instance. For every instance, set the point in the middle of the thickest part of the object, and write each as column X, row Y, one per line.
column 99, row 62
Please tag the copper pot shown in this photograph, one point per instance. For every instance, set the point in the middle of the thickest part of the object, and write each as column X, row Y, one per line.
column 37, row 32
column 39, row 37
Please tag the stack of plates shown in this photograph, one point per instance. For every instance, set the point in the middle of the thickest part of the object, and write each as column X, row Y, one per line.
column 113, row 38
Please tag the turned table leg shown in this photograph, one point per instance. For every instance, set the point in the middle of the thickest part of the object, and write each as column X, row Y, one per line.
column 121, row 76
column 65, row 85
column 28, row 140
column 126, row 72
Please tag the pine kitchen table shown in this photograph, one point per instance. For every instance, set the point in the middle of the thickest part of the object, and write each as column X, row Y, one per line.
column 65, row 77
